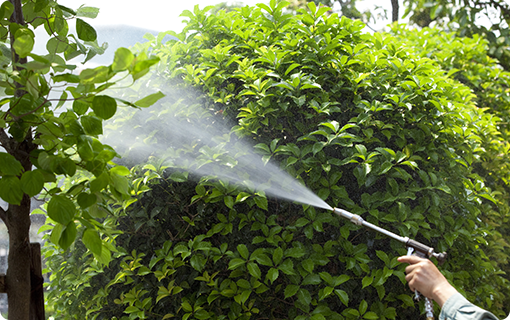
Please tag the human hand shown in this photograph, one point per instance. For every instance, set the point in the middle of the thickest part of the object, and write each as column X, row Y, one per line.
column 423, row 275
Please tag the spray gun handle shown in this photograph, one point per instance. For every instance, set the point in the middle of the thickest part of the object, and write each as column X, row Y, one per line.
column 429, row 307
column 424, row 251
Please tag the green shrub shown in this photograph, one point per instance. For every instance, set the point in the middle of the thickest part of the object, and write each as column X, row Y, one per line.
column 368, row 122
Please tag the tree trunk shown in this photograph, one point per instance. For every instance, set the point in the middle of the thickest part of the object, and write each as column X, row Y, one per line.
column 36, row 283
column 18, row 270
column 394, row 13
column 18, row 279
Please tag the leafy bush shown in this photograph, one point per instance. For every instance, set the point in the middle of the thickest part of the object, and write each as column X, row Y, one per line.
column 368, row 122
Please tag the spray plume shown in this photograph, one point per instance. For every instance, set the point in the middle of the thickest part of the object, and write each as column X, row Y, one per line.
column 193, row 138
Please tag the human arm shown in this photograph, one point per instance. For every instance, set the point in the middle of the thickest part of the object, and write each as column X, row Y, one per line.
column 423, row 275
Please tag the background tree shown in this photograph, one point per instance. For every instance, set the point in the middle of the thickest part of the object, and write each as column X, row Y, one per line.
column 347, row 7
column 370, row 122
column 489, row 19
column 43, row 140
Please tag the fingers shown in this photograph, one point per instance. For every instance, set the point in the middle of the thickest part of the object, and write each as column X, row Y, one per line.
column 421, row 274
column 410, row 259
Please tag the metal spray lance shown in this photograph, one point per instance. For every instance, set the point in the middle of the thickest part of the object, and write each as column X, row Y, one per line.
column 413, row 247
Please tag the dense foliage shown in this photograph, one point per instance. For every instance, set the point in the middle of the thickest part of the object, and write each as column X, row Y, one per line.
column 468, row 18
column 371, row 123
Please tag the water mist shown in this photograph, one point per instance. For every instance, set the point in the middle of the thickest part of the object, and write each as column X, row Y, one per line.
column 195, row 138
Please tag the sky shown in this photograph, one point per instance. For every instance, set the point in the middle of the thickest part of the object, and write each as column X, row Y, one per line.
column 157, row 15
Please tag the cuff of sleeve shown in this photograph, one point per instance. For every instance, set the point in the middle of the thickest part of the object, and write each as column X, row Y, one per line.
column 454, row 303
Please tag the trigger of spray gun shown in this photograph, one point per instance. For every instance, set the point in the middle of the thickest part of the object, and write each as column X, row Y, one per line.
column 410, row 251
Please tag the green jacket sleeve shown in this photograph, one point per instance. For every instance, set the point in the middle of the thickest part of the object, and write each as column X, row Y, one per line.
column 459, row 308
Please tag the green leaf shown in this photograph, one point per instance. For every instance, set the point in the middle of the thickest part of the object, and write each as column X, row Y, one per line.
column 104, row 106
column 67, row 236
column 242, row 196
column 308, row 265
column 56, row 45
column 6, row 10
column 32, row 182
column 383, row 256
column 296, row 252
column 149, row 100
column 229, row 201
column 243, row 251
column 287, row 267
column 142, row 67
column 64, row 166
column 61, row 209
column 291, row 290
column 178, row 176
column 56, row 233
column 363, row 307
column 85, row 149
column 24, row 42
column 123, row 59
column 367, row 281
column 272, row 274
column 10, row 190
column 92, row 125
column 341, row 279
column 370, row 315
column 120, row 170
column 261, row 202
column 99, row 183
column 197, row 261
column 96, row 75
column 301, row 222
column 87, row 12
column 120, row 183
column 203, row 314
column 261, row 258
column 131, row 309
column 304, row 296
column 254, row 270
column 277, row 255
column 325, row 292
column 80, row 106
column 344, row 297
column 235, row 263
column 9, row 165
column 92, row 241
column 85, row 31
column 86, row 200
column 312, row 279
column 408, row 301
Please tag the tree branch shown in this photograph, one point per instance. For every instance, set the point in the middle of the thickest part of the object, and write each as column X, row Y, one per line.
column 3, row 215
column 5, row 141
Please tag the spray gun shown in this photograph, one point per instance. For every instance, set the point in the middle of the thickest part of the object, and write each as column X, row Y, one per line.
column 413, row 247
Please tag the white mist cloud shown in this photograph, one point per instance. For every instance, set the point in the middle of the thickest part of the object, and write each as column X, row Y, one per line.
column 191, row 137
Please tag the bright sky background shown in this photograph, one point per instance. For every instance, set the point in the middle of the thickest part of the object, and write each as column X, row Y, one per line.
column 159, row 15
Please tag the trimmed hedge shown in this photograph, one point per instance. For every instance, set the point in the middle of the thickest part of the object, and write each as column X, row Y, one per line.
column 370, row 122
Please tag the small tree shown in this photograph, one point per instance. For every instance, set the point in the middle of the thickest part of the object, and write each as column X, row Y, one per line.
column 43, row 139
